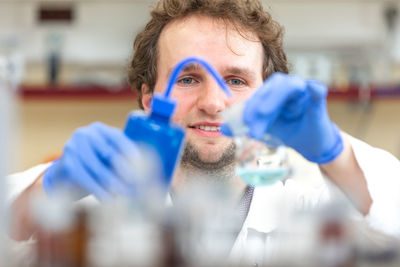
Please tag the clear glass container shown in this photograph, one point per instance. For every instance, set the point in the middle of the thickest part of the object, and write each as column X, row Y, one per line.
column 259, row 162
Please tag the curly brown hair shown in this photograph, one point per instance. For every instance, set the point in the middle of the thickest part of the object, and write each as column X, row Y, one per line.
column 242, row 14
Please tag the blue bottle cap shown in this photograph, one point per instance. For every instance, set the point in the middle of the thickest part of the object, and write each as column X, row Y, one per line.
column 162, row 105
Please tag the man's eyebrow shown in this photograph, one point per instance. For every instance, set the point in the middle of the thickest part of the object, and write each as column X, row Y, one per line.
column 194, row 67
column 240, row 71
column 188, row 68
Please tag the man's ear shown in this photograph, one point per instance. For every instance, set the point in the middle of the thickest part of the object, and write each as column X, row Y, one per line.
column 146, row 97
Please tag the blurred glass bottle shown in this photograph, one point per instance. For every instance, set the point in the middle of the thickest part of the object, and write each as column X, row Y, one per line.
column 54, row 41
column 259, row 162
column 11, row 69
column 62, row 231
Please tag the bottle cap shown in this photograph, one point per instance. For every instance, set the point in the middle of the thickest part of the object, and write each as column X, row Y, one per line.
column 162, row 105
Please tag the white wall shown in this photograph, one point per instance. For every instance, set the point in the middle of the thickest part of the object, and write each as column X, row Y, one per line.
column 103, row 31
column 330, row 23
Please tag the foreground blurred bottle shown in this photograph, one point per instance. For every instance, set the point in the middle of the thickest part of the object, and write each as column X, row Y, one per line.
column 62, row 232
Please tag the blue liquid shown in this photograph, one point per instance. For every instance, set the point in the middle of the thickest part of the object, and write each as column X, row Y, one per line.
column 260, row 177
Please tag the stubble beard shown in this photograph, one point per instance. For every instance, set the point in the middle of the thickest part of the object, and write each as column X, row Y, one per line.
column 220, row 170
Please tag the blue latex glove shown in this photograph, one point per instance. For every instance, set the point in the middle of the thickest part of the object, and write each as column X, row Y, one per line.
column 91, row 163
column 294, row 110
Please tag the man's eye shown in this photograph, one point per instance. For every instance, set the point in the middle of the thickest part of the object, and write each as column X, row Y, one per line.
column 187, row 80
column 235, row 82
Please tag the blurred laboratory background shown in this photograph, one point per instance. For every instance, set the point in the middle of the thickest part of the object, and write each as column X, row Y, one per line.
column 67, row 62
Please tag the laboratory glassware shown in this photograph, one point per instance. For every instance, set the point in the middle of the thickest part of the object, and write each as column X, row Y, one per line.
column 259, row 162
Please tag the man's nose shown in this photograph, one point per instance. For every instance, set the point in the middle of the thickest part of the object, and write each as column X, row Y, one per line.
column 212, row 98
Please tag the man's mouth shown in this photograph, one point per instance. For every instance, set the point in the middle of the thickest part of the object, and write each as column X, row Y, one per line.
column 207, row 128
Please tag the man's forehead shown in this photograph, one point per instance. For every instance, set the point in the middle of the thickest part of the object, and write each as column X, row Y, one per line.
column 177, row 39
column 229, row 27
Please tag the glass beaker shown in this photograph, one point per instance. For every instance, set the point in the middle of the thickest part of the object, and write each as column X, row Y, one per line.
column 259, row 162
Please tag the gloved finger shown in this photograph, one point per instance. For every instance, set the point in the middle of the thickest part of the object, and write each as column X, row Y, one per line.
column 275, row 92
column 267, row 104
column 317, row 89
column 125, row 153
column 117, row 183
column 296, row 106
column 89, row 143
column 69, row 168
column 121, row 162
column 117, row 139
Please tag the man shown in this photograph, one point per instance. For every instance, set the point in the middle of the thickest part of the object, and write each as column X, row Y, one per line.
column 245, row 45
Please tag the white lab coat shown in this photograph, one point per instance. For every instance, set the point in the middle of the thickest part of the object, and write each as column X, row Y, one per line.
column 381, row 169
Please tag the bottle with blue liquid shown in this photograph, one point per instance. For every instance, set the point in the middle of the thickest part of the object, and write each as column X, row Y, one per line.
column 157, row 131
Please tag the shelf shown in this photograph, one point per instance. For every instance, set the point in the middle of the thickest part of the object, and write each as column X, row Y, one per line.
column 76, row 91
column 123, row 91
column 354, row 92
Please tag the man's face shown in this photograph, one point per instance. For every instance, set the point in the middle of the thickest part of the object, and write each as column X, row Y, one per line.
column 239, row 60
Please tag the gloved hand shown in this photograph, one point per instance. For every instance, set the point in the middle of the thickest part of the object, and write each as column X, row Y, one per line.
column 92, row 162
column 294, row 110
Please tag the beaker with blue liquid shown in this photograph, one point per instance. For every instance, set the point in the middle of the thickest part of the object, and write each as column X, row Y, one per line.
column 259, row 162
